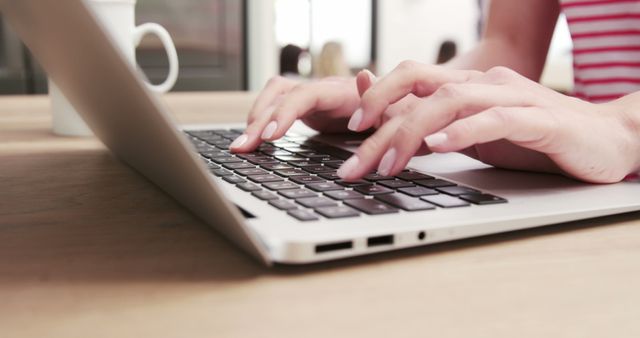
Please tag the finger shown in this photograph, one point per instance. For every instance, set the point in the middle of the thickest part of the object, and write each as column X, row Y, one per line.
column 250, row 139
column 337, row 95
column 408, row 78
column 262, row 108
column 529, row 127
column 371, row 149
column 364, row 80
column 275, row 87
column 451, row 102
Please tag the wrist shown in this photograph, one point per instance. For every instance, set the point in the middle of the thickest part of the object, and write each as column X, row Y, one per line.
column 630, row 121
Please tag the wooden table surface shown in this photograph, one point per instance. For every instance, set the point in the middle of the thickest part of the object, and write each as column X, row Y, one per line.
column 88, row 248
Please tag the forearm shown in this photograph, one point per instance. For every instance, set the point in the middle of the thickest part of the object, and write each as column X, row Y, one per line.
column 490, row 53
column 517, row 36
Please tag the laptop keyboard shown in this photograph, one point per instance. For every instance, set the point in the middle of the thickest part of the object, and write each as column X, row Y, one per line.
column 298, row 176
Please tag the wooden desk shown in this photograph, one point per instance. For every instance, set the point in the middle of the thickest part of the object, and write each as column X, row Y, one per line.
column 90, row 249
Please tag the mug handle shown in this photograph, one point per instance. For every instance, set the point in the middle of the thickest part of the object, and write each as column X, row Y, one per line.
column 170, row 49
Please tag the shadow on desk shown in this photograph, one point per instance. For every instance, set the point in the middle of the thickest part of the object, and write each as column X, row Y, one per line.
column 84, row 216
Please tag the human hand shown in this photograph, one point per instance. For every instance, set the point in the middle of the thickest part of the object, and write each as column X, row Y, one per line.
column 498, row 117
column 325, row 105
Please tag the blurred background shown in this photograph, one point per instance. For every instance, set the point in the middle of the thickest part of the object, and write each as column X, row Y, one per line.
column 239, row 44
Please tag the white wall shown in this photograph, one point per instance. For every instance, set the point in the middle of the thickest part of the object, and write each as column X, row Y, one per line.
column 558, row 71
column 414, row 29
column 344, row 21
column 262, row 49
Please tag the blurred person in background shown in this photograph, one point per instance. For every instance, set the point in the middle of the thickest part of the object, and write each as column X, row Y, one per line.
column 448, row 50
column 294, row 61
column 331, row 61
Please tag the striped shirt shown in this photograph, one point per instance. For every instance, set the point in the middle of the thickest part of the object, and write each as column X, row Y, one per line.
column 606, row 47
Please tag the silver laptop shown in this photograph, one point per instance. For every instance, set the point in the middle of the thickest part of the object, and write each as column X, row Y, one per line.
column 283, row 203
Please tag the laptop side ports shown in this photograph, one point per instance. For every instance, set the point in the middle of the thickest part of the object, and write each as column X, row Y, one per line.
column 380, row 240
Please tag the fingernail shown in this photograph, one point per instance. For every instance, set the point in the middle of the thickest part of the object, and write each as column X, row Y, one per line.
column 387, row 162
column 269, row 130
column 355, row 120
column 372, row 77
column 348, row 166
column 436, row 139
column 238, row 142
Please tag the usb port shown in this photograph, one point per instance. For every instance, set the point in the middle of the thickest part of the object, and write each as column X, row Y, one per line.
column 380, row 240
column 333, row 246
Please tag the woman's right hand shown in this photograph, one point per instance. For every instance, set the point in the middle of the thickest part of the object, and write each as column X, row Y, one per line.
column 325, row 105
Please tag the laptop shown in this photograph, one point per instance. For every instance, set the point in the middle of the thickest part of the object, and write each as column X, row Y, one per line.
column 283, row 202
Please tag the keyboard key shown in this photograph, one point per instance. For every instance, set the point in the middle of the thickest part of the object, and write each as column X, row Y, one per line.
column 263, row 160
column 302, row 163
column 351, row 184
column 297, row 149
column 203, row 147
column 445, row 201
column 283, row 204
column 226, row 159
column 330, row 176
column 248, row 186
column 285, row 144
column 310, row 154
column 316, row 202
column 252, row 171
column 291, row 172
column 458, row 190
column 413, row 176
column 327, row 159
column 396, row 184
column 290, row 157
column 247, row 156
column 334, row 165
column 418, row 191
column 344, row 194
column 377, row 177
column 212, row 165
column 318, row 169
column 234, row 179
column 333, row 151
column 221, row 172
column 372, row 189
column 213, row 153
column 324, row 186
column 307, row 179
column 405, row 202
column 265, row 178
column 276, row 152
column 276, row 166
column 482, row 199
column 434, row 183
column 303, row 215
column 266, row 147
column 281, row 185
column 264, row 195
column 371, row 206
column 297, row 193
column 340, row 211
column 238, row 165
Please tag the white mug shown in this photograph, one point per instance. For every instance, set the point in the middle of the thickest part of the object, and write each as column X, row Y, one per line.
column 118, row 19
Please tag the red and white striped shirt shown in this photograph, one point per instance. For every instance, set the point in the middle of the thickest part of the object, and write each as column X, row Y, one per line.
column 606, row 47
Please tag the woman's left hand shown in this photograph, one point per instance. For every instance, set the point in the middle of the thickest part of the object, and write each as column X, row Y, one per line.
column 498, row 117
